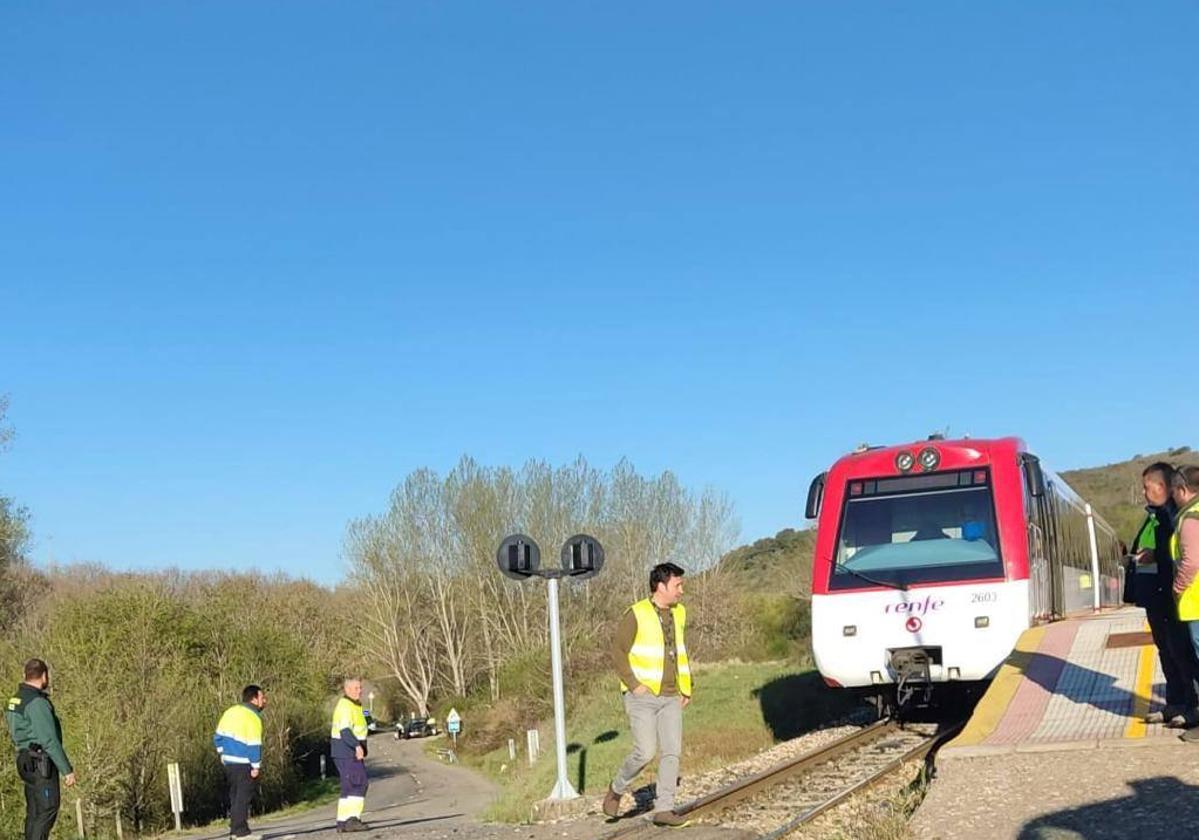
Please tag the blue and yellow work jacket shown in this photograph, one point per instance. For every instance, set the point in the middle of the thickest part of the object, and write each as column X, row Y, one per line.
column 348, row 729
column 238, row 736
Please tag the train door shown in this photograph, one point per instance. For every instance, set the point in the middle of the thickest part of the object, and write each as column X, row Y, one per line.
column 1040, row 582
column 1053, row 551
column 1044, row 577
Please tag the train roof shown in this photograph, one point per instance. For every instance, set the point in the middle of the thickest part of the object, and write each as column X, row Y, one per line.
column 881, row 459
column 866, row 456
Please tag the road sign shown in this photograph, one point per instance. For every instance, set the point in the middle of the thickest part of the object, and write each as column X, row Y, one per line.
column 453, row 722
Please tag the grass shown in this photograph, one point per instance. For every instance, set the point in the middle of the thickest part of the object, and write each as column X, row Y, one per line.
column 740, row 709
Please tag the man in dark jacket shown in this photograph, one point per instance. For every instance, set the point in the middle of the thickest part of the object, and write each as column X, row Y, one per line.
column 37, row 735
column 1154, row 574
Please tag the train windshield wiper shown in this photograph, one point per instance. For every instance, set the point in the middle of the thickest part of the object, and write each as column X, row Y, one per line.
column 841, row 567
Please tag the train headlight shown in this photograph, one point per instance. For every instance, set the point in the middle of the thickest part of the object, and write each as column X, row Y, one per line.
column 982, row 621
column 904, row 461
column 929, row 459
column 849, row 630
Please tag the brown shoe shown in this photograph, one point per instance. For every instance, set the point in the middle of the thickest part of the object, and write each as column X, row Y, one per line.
column 670, row 818
column 611, row 803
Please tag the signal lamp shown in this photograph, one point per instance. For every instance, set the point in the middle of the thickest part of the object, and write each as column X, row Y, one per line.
column 982, row 621
column 849, row 630
column 904, row 461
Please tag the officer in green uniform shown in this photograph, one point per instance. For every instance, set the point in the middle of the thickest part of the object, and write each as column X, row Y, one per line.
column 37, row 735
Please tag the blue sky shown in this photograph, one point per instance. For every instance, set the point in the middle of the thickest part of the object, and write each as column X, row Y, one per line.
column 260, row 260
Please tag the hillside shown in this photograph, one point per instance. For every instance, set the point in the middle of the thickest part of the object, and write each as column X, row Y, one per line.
column 762, row 565
column 1113, row 489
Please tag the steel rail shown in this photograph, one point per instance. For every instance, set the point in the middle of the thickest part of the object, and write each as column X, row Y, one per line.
column 921, row 750
column 752, row 785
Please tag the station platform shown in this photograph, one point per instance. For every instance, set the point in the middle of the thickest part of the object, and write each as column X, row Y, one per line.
column 1074, row 684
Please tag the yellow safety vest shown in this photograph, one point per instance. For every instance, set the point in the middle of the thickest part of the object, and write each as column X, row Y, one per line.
column 647, row 657
column 1188, row 601
column 348, row 715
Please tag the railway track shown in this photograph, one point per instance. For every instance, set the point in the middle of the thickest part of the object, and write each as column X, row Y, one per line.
column 781, row 799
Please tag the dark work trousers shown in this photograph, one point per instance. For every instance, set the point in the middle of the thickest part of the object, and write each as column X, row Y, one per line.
column 354, row 783
column 1174, row 648
column 41, row 799
column 241, row 793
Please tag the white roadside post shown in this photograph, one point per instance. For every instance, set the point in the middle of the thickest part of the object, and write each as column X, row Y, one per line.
column 530, row 738
column 519, row 558
column 176, row 785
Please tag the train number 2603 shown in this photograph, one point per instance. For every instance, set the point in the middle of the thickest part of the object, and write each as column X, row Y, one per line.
column 984, row 597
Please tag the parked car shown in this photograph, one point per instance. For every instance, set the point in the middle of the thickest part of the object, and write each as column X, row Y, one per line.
column 420, row 727
column 371, row 724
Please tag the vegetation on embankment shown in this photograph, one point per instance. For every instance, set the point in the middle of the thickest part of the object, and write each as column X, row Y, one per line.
column 1115, row 489
column 142, row 667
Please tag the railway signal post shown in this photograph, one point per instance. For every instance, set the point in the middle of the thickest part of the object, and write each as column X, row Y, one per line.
column 519, row 558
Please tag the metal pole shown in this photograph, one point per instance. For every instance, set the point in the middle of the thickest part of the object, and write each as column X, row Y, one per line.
column 1094, row 555
column 563, row 789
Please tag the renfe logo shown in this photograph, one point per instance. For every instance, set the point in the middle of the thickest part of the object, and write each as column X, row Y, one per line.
column 929, row 604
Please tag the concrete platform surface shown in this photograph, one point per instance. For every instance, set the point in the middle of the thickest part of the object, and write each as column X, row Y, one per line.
column 1074, row 684
column 1044, row 755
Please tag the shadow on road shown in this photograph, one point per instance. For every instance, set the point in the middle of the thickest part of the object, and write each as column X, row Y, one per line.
column 1163, row 806
column 326, row 826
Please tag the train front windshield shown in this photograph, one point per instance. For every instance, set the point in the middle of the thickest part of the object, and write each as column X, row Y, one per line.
column 917, row 529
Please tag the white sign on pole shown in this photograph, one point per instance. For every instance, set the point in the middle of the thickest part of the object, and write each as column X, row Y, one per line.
column 453, row 722
column 176, row 785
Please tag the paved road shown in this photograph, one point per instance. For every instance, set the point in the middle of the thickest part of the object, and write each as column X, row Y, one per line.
column 408, row 790
column 413, row 797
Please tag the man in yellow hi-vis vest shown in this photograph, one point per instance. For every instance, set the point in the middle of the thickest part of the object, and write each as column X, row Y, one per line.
column 347, row 740
column 649, row 654
column 1184, row 550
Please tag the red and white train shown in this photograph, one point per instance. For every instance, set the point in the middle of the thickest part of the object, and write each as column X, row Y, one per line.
column 933, row 557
